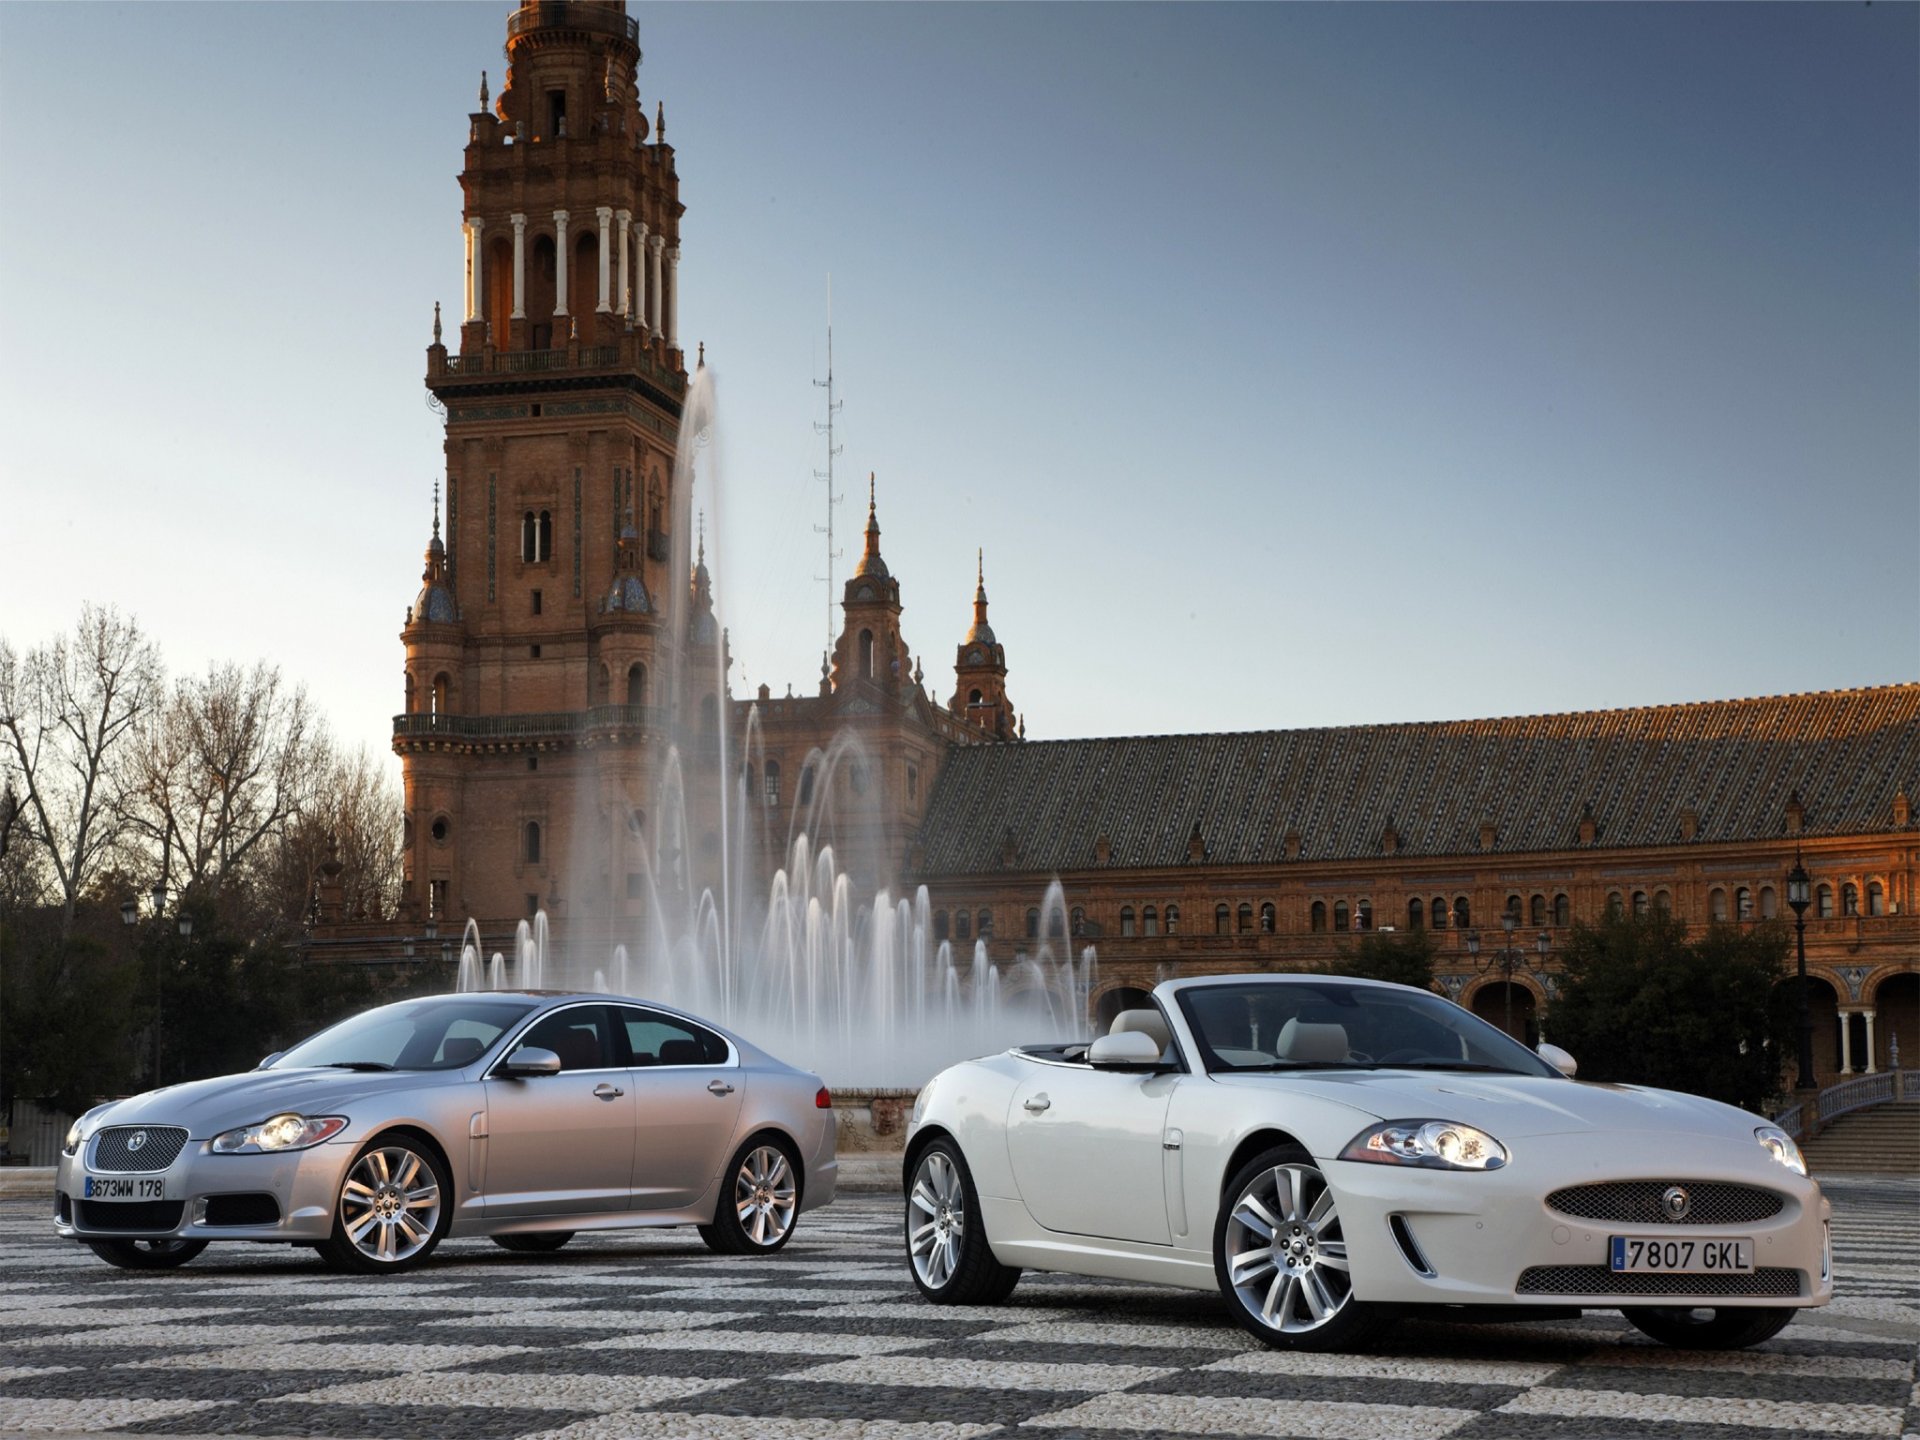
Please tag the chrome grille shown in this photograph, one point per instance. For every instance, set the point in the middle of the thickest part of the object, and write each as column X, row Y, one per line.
column 1599, row 1280
column 115, row 1149
column 1637, row 1202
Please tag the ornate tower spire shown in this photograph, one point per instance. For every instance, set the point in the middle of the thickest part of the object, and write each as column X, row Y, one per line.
column 870, row 646
column 870, row 561
column 980, row 669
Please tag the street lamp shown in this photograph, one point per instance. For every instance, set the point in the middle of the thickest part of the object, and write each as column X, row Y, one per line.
column 1508, row 959
column 1799, row 895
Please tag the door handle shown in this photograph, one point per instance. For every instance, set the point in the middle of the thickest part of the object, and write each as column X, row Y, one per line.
column 1038, row 1103
column 719, row 1087
column 604, row 1091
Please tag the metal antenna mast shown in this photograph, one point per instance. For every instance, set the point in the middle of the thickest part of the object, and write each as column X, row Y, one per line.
column 834, row 497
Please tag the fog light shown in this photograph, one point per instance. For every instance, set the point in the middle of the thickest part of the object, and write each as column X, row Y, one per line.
column 199, row 1211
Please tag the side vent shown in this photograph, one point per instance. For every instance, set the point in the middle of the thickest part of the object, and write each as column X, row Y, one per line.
column 1409, row 1247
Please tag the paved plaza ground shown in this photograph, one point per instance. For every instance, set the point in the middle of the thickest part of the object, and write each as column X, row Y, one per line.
column 646, row 1334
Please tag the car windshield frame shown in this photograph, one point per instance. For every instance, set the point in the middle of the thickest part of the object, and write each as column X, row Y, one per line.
column 367, row 1042
column 1488, row 1050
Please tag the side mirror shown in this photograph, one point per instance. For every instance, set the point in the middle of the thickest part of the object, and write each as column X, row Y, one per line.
column 530, row 1060
column 269, row 1059
column 1558, row 1059
column 1129, row 1050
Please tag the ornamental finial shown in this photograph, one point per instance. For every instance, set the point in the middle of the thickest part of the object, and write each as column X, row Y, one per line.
column 483, row 89
column 436, row 322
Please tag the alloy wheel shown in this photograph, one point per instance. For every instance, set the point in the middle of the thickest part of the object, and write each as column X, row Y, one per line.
column 935, row 1243
column 764, row 1194
column 390, row 1204
column 1286, row 1253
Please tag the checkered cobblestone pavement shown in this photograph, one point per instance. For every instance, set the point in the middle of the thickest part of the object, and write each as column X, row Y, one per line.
column 646, row 1334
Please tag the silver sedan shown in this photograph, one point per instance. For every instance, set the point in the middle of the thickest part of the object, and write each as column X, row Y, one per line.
column 520, row 1115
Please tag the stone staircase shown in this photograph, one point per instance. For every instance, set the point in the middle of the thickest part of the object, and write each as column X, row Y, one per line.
column 1883, row 1138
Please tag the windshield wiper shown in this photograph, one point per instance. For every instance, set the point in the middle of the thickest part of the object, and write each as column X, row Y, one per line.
column 356, row 1065
column 1455, row 1065
column 1300, row 1065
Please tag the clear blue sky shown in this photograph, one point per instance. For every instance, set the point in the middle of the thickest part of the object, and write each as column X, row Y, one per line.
column 1294, row 364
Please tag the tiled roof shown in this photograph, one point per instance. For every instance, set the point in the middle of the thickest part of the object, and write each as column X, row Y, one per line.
column 1736, row 764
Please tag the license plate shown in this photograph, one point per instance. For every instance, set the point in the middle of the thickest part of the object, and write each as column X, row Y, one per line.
column 1696, row 1255
column 125, row 1187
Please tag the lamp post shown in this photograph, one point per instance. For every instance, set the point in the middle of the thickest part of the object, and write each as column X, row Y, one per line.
column 1799, row 895
column 1507, row 959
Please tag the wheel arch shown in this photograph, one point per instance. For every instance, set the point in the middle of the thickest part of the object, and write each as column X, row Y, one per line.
column 765, row 1130
column 1251, row 1144
column 923, row 1137
column 413, row 1130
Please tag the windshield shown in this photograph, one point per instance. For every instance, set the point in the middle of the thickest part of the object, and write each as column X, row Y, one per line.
column 1340, row 1025
column 446, row 1033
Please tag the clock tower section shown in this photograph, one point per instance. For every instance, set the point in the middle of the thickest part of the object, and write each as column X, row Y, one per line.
column 542, row 656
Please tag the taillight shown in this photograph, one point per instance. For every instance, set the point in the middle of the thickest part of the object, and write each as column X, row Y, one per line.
column 822, row 1100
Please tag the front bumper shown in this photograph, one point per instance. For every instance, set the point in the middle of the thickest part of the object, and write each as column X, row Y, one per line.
column 1489, row 1237
column 199, row 1187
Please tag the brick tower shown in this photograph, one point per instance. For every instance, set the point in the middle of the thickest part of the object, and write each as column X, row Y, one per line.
column 543, row 652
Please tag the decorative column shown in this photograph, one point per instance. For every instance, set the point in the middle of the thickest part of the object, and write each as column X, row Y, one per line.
column 1846, row 1042
column 519, row 266
column 1870, row 1065
column 560, row 265
column 476, row 260
column 659, row 243
column 604, row 213
column 623, row 295
column 640, row 274
column 673, row 298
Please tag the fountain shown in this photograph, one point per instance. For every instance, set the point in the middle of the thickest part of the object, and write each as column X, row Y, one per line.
column 854, row 988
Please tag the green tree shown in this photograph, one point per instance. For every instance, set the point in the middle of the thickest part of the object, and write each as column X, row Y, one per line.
column 1642, row 1004
column 1402, row 956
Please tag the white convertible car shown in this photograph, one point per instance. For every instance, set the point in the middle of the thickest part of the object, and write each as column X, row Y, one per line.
column 1330, row 1152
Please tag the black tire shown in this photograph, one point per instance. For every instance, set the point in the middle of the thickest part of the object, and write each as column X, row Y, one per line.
column 759, row 1204
column 393, row 1172
column 1308, row 1303
column 948, row 1253
column 147, row 1254
column 544, row 1242
column 1708, row 1328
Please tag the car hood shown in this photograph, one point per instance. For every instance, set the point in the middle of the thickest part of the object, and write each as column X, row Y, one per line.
column 1510, row 1106
column 207, row 1107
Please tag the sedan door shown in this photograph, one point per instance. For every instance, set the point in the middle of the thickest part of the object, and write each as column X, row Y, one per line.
column 1086, row 1150
column 688, row 1086
column 562, row 1144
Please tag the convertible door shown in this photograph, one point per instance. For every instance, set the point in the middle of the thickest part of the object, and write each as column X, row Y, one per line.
column 1085, row 1147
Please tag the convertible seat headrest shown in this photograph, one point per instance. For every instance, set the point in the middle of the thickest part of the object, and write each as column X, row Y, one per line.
column 1144, row 1022
column 1312, row 1042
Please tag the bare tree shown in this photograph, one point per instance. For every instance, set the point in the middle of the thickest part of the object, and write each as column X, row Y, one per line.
column 65, row 711
column 355, row 815
column 220, row 770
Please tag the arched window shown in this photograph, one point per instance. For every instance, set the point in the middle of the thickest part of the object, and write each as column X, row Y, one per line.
column 410, row 695
column 636, row 684
column 1317, row 916
column 1056, row 925
column 1173, row 919
column 985, row 925
column 1769, row 903
column 1640, row 902
column 1876, row 898
column 1513, row 908
column 1462, row 912
column 1078, row 920
column 529, row 536
column 1245, row 918
column 1363, row 915
column 865, row 653
column 1716, row 904
column 1416, row 914
column 974, row 697
column 583, row 283
column 1663, row 901
column 1438, row 914
column 806, row 787
column 442, row 686
column 1562, row 909
column 1537, row 910
column 1823, row 902
column 962, row 922
column 1033, row 923
column 1849, row 899
column 636, row 823
column 1150, row 921
column 773, row 782
column 543, row 541
column 1222, row 919
column 1616, row 903
column 1126, row 920
column 939, row 926
column 1743, row 903
column 533, row 841
column 1342, row 918
column 1266, row 917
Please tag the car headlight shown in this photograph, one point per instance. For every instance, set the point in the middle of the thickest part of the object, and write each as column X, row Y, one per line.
column 282, row 1132
column 1777, row 1143
column 920, row 1101
column 1432, row 1144
column 78, row 1131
